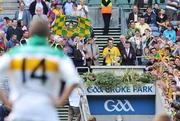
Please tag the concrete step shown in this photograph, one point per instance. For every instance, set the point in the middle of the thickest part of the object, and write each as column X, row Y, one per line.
column 10, row 6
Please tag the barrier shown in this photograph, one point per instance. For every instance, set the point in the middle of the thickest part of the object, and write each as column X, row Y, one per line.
column 117, row 69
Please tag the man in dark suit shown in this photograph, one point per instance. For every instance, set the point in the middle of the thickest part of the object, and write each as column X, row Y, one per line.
column 120, row 45
column 135, row 14
column 23, row 14
column 36, row 4
column 14, row 30
column 79, row 56
column 128, row 55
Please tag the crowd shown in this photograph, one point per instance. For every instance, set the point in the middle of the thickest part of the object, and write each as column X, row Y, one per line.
column 151, row 39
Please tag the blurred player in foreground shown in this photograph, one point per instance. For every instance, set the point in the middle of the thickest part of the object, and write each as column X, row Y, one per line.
column 36, row 72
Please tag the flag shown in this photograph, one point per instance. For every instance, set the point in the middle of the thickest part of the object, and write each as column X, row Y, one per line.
column 72, row 26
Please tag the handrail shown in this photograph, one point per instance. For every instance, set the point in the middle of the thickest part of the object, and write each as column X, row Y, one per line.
column 84, row 108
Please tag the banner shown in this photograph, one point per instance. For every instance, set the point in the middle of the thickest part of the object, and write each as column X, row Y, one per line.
column 122, row 105
column 72, row 26
column 148, row 89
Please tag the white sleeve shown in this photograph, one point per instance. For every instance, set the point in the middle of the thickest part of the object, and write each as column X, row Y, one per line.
column 68, row 71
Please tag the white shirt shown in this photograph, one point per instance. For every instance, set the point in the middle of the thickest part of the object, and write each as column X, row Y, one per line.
column 135, row 17
column 20, row 16
column 39, row 5
column 74, row 98
column 81, row 11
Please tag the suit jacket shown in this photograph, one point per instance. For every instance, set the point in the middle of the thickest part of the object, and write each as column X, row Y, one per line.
column 120, row 46
column 131, row 16
column 18, row 31
column 95, row 54
column 26, row 17
column 32, row 8
column 128, row 59
column 78, row 58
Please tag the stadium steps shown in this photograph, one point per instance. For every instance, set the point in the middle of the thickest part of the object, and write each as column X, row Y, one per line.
column 101, row 40
column 9, row 8
column 63, row 113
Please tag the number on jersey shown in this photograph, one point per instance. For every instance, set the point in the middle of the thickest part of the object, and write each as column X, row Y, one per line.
column 33, row 75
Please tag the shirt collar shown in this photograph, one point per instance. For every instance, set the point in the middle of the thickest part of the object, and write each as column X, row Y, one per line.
column 37, row 40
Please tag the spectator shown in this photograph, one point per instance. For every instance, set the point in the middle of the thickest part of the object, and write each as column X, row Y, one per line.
column 146, row 55
column 59, row 44
column 106, row 10
column 136, row 42
column 21, row 25
column 23, row 14
column 2, row 40
column 58, row 9
column 5, row 107
column 121, row 44
column 131, row 30
column 12, row 42
column 39, row 14
column 150, row 17
column 74, row 101
column 92, row 51
column 176, row 51
column 161, row 19
column 171, row 9
column 5, row 24
column 147, row 38
column 128, row 55
column 177, row 62
column 178, row 33
column 110, row 53
column 68, row 7
column 36, row 5
column 83, row 9
column 25, row 37
column 156, row 9
column 169, row 33
column 80, row 55
column 142, row 26
column 69, row 46
column 14, row 30
column 75, row 11
column 134, row 15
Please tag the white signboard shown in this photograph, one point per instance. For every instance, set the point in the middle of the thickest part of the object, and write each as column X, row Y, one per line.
column 148, row 89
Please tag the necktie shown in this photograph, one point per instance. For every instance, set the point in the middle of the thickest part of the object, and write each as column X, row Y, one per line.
column 92, row 49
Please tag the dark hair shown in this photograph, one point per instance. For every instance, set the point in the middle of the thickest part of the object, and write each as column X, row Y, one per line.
column 6, row 18
column 127, row 42
column 39, row 27
column 19, row 23
column 21, row 2
column 14, row 19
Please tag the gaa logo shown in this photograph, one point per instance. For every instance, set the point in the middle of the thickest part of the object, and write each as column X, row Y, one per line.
column 118, row 105
column 71, row 22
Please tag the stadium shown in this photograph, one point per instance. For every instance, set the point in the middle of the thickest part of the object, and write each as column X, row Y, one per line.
column 90, row 60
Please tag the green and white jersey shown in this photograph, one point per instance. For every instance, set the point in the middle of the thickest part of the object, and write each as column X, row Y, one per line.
column 36, row 72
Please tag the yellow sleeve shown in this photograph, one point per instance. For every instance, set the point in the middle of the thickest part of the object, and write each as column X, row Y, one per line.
column 105, row 51
column 117, row 52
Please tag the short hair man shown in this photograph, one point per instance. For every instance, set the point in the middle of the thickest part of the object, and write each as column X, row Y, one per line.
column 36, row 72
